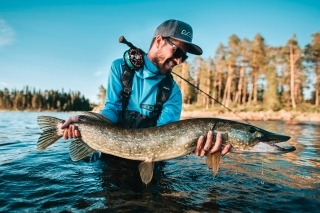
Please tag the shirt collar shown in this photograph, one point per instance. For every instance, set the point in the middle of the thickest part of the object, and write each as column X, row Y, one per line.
column 150, row 65
column 149, row 70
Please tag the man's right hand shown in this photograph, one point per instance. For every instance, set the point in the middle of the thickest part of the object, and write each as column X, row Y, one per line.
column 71, row 130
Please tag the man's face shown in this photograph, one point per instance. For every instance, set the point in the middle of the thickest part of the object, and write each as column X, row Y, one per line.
column 166, row 57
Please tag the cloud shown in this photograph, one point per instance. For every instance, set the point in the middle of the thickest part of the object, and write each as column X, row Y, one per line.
column 101, row 71
column 98, row 73
column 2, row 83
column 6, row 34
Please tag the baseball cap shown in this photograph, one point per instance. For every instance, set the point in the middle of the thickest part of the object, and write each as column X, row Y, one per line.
column 180, row 31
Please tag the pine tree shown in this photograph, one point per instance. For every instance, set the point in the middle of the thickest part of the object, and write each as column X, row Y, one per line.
column 219, row 75
column 257, row 62
column 231, row 59
column 271, row 99
column 312, row 53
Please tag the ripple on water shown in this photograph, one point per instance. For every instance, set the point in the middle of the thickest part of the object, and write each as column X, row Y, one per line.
column 49, row 181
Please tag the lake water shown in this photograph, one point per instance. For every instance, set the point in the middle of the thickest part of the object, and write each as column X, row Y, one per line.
column 49, row 181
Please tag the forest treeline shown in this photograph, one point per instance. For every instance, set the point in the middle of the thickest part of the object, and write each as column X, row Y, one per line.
column 251, row 74
column 26, row 99
column 243, row 75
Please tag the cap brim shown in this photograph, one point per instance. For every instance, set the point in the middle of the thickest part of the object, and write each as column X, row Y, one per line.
column 193, row 49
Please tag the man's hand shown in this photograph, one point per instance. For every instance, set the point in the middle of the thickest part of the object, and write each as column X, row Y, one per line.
column 205, row 147
column 71, row 130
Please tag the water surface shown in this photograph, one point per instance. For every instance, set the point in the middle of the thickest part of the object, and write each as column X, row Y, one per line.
column 49, row 181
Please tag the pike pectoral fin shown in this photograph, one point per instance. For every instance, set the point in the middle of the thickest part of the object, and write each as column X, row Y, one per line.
column 79, row 150
column 213, row 162
column 146, row 171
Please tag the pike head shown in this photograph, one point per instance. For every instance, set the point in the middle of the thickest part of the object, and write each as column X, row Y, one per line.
column 246, row 138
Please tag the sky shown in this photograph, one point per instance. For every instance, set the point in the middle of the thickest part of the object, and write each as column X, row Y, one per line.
column 70, row 45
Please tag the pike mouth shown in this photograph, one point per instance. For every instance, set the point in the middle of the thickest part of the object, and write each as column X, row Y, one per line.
column 272, row 138
column 265, row 147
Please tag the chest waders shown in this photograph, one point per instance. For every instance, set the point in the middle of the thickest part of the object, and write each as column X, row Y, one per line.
column 133, row 61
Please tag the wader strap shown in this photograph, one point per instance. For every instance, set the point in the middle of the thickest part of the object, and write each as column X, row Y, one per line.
column 126, row 80
column 163, row 94
column 135, row 119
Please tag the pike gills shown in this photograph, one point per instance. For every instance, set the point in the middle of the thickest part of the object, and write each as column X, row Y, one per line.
column 158, row 143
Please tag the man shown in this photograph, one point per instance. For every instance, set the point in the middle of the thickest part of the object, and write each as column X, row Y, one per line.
column 171, row 41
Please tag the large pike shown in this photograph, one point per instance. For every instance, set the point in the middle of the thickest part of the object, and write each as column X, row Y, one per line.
column 158, row 143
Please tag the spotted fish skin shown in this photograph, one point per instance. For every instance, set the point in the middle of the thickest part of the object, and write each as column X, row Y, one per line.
column 155, row 143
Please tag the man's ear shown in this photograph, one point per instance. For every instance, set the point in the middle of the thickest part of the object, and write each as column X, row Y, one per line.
column 159, row 41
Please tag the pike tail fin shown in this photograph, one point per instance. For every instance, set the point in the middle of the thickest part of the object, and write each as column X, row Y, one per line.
column 213, row 162
column 49, row 126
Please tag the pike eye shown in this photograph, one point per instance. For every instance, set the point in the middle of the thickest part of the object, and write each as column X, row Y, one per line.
column 252, row 130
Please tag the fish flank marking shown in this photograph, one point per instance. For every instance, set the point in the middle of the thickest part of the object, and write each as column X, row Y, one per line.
column 155, row 143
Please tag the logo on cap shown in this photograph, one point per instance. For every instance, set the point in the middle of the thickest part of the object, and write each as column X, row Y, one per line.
column 184, row 32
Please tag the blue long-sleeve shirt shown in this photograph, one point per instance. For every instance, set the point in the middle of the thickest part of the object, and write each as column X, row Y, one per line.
column 144, row 92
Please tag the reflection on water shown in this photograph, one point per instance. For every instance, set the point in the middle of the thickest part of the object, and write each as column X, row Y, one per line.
column 49, row 181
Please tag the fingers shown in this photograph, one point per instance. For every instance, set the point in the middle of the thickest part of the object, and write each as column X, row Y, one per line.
column 199, row 146
column 217, row 144
column 202, row 151
column 204, row 145
column 226, row 149
column 66, row 134
column 66, row 123
column 207, row 146
column 77, row 133
column 70, row 120
column 70, row 130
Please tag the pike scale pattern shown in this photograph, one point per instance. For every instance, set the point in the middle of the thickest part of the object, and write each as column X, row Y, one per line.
column 155, row 143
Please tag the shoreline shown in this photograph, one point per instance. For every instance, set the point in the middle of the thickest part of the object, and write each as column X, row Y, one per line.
column 290, row 117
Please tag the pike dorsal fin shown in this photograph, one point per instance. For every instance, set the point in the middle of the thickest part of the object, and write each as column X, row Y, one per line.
column 79, row 150
column 146, row 171
column 93, row 117
column 213, row 162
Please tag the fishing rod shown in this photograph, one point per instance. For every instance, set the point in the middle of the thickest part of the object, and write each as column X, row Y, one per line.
column 203, row 92
column 134, row 57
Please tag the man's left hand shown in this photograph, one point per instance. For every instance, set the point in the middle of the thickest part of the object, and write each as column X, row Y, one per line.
column 206, row 147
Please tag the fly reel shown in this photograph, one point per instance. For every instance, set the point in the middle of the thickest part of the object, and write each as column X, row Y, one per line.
column 133, row 58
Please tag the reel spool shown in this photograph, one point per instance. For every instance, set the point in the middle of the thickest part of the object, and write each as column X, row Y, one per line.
column 133, row 58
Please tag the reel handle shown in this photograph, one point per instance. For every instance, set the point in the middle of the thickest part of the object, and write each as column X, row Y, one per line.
column 123, row 40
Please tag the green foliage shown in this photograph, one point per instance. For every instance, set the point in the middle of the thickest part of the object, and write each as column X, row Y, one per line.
column 47, row 100
column 102, row 94
column 312, row 57
column 271, row 99
column 251, row 75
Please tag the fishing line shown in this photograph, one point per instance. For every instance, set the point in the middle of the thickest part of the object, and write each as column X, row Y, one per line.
column 133, row 57
column 203, row 92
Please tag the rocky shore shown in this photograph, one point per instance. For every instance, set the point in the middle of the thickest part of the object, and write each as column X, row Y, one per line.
column 288, row 116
